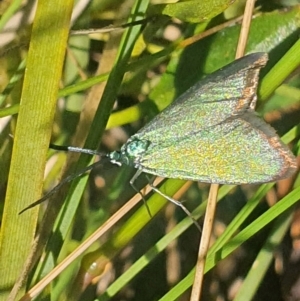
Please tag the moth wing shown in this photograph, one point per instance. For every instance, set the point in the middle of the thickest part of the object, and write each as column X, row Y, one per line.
column 237, row 151
column 227, row 92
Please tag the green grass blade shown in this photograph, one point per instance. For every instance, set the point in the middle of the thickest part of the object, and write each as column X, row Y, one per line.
column 32, row 136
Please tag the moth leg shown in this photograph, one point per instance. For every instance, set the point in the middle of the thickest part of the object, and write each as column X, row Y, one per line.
column 177, row 203
column 131, row 182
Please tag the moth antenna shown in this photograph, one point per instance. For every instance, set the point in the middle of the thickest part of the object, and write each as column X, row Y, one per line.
column 69, row 178
column 76, row 150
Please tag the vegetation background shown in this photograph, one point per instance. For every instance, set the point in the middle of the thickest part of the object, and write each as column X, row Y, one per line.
column 73, row 88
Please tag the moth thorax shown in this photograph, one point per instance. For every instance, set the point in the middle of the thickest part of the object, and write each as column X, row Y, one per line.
column 135, row 147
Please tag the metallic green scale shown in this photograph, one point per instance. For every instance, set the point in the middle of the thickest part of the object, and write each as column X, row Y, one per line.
column 211, row 133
